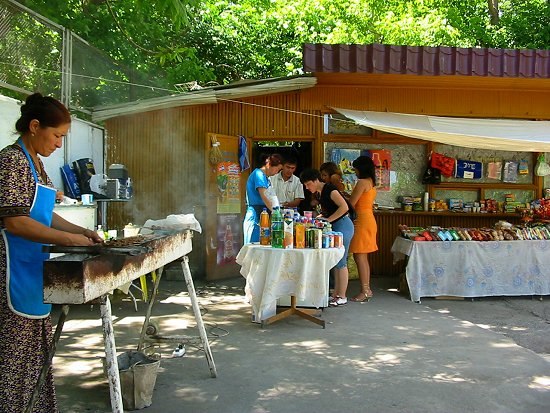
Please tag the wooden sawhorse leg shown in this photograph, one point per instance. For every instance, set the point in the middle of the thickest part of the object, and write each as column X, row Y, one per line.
column 49, row 358
column 198, row 316
column 110, row 355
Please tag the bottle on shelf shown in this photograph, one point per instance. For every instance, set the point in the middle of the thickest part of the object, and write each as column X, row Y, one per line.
column 265, row 233
column 277, row 228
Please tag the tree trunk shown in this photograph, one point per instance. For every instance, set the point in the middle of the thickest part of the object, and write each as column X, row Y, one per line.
column 493, row 11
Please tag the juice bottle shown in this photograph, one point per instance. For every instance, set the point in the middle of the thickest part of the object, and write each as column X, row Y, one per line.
column 300, row 234
column 265, row 230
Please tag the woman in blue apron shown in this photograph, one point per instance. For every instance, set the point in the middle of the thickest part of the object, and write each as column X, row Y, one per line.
column 27, row 221
column 257, row 197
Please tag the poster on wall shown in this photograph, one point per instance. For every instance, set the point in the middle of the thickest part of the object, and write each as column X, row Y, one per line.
column 344, row 158
column 382, row 164
column 228, row 178
column 229, row 236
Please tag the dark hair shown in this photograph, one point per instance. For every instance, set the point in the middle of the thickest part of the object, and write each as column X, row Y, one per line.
column 291, row 159
column 310, row 174
column 330, row 168
column 274, row 159
column 365, row 167
column 45, row 109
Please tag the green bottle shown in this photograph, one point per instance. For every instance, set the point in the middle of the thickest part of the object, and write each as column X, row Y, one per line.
column 277, row 228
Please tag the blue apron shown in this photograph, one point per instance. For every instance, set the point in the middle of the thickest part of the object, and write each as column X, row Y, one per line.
column 25, row 259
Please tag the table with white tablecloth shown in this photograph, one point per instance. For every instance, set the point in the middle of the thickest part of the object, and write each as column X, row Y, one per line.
column 272, row 273
column 475, row 268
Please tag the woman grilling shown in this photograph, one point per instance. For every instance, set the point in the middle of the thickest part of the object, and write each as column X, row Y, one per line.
column 27, row 221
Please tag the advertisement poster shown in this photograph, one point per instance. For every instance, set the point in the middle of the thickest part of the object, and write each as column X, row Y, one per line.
column 382, row 165
column 228, row 178
column 229, row 236
column 344, row 158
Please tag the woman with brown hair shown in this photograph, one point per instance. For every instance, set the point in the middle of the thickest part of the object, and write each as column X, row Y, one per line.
column 331, row 173
column 335, row 210
column 364, row 241
column 27, row 221
column 257, row 197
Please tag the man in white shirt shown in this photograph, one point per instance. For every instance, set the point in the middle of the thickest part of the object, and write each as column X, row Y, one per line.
column 287, row 186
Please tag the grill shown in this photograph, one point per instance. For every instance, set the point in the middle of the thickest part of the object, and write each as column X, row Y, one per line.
column 78, row 278
column 86, row 273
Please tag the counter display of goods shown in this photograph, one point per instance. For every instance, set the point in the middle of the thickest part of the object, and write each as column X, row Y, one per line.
column 289, row 230
column 502, row 231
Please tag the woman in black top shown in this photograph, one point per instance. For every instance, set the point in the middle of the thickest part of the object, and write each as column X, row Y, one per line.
column 334, row 210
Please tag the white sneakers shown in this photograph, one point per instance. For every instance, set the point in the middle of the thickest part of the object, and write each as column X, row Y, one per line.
column 179, row 351
column 336, row 301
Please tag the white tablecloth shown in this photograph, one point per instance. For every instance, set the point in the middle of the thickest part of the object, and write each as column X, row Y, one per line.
column 272, row 273
column 474, row 268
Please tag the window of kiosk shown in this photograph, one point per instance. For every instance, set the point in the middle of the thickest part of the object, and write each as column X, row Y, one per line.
column 400, row 171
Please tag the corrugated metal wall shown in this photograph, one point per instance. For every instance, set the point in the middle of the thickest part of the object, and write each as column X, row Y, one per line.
column 164, row 150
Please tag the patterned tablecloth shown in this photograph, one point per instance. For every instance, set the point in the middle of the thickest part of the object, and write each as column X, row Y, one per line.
column 475, row 269
column 272, row 273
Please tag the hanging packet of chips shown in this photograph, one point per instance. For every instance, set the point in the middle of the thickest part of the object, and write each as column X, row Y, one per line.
column 510, row 172
column 494, row 170
column 523, row 167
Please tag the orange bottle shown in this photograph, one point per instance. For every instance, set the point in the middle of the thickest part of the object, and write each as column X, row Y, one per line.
column 265, row 228
column 300, row 235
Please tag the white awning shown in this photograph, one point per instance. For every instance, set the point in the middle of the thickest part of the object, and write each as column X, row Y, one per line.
column 496, row 134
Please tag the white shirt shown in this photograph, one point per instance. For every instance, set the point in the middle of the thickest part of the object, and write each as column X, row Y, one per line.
column 287, row 191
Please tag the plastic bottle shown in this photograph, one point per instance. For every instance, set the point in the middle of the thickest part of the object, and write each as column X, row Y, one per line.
column 277, row 229
column 101, row 233
column 426, row 201
column 129, row 188
column 228, row 250
column 299, row 234
column 265, row 233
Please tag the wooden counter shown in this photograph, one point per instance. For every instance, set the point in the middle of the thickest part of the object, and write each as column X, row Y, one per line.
column 388, row 228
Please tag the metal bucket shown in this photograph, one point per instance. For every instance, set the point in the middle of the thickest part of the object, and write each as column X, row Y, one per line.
column 138, row 374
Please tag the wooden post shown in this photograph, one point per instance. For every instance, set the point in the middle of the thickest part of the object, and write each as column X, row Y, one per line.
column 110, row 355
column 198, row 316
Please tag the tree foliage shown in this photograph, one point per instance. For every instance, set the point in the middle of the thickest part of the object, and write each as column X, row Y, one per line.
column 218, row 41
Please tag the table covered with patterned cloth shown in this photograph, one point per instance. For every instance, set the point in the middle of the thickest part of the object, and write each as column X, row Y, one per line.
column 475, row 268
column 272, row 273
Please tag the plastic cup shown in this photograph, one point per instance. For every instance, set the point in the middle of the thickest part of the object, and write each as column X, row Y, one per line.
column 87, row 199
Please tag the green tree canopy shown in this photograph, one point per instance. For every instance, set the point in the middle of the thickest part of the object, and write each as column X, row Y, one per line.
column 218, row 41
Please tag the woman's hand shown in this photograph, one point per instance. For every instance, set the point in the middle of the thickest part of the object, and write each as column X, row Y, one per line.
column 92, row 235
column 73, row 240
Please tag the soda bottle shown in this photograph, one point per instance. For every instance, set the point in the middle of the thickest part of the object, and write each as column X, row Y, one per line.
column 228, row 250
column 265, row 233
column 277, row 228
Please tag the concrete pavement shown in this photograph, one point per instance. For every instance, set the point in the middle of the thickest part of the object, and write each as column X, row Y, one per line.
column 387, row 355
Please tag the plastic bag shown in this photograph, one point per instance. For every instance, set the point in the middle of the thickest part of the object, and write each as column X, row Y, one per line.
column 444, row 163
column 542, row 168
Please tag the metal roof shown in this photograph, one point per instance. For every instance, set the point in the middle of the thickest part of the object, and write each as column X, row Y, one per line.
column 237, row 90
column 428, row 61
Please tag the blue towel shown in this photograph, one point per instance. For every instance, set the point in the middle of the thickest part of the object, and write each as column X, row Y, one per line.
column 243, row 154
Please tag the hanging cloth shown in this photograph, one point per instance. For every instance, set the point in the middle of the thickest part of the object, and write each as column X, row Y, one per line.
column 243, row 154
